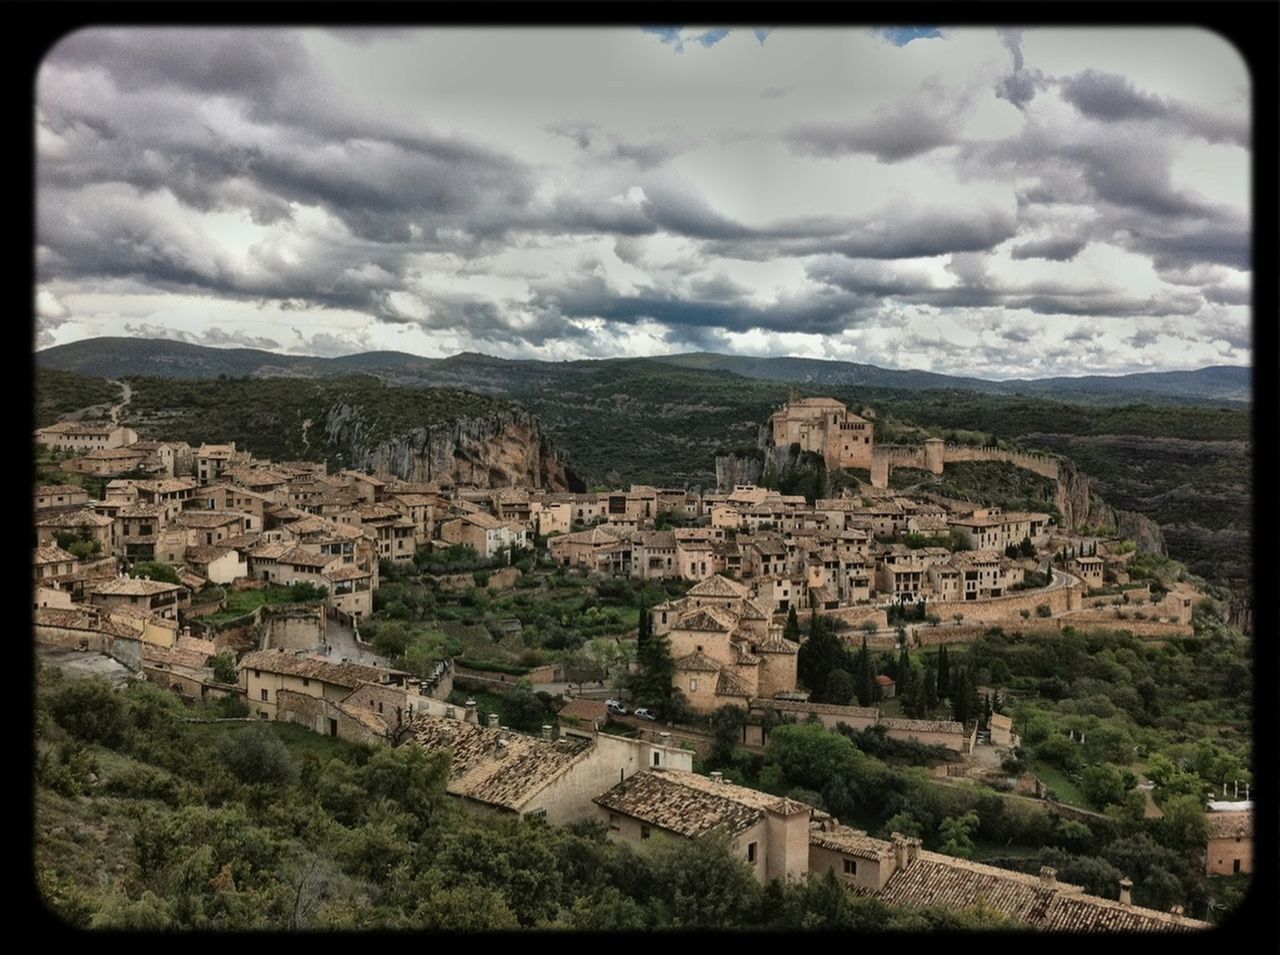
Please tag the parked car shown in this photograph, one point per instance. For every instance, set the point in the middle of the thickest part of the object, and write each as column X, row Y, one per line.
column 643, row 714
column 614, row 707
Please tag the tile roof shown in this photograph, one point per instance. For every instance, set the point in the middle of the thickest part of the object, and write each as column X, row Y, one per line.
column 347, row 572
column 1230, row 825
column 52, row 490
column 528, row 766
column 796, row 706
column 921, row 726
column 88, row 518
column 313, row 668
column 209, row 518
column 692, row 805
column 205, row 553
column 774, row 644
column 53, row 555
column 718, row 586
column 730, row 685
column 585, row 710
column 270, row 551
column 854, row 842
column 935, row 879
column 697, row 662
column 301, row 557
column 133, row 587
column 706, row 618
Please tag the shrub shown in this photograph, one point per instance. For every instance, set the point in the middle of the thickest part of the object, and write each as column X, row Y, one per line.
column 1043, row 610
column 256, row 755
column 90, row 710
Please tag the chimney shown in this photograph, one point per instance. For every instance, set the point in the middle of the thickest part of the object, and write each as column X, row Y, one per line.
column 899, row 850
column 717, row 778
column 500, row 749
column 1048, row 877
column 664, row 738
column 450, row 713
column 913, row 849
column 1125, row 885
column 546, row 731
column 493, row 721
column 1177, row 910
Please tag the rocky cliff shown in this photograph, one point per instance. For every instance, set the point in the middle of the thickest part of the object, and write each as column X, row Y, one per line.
column 1080, row 507
column 497, row 450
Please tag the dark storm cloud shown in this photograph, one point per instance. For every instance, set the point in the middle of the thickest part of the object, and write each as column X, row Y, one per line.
column 580, row 133
column 1226, row 295
column 716, row 304
column 927, row 119
column 1020, row 86
column 1054, row 249
column 1110, row 98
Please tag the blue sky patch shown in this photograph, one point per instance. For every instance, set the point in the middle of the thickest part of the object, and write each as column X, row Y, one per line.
column 901, row 36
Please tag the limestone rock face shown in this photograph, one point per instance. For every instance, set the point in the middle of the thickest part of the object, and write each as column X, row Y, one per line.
column 498, row 450
column 1081, row 507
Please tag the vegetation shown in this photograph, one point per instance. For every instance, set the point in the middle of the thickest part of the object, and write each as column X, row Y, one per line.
column 60, row 393
column 241, row 826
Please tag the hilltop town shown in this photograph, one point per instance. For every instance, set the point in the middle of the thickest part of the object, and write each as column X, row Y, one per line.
column 276, row 591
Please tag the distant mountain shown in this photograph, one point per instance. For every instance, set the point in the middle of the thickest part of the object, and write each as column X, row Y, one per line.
column 1217, row 383
column 118, row 357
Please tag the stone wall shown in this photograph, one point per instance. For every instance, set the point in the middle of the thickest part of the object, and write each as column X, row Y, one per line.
column 503, row 579
column 294, row 628
column 315, row 713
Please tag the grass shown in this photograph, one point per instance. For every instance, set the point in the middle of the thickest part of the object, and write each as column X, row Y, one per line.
column 1063, row 786
column 243, row 602
column 299, row 740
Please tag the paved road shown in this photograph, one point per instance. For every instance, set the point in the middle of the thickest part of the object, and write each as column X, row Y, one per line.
column 341, row 643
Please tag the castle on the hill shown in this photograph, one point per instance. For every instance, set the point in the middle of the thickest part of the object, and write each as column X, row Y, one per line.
column 826, row 427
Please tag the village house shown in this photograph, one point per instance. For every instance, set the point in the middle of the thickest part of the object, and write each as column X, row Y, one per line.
column 1229, row 850
column 52, row 564
column 50, row 497
column 157, row 597
column 81, row 437
column 986, row 574
column 211, row 527
column 226, row 497
column 212, row 459
column 770, row 833
column 265, row 674
column 169, row 494
column 268, row 484
column 581, row 548
column 105, row 462
column 217, row 564
column 82, row 525
column 487, row 535
column 538, row 777
column 1088, row 569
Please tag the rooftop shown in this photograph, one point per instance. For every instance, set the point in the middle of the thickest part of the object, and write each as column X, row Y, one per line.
column 133, row 587
column 692, row 805
column 525, row 768
column 313, row 668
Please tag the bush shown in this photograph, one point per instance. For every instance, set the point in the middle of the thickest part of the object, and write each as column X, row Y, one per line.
column 1043, row 610
column 90, row 710
column 256, row 755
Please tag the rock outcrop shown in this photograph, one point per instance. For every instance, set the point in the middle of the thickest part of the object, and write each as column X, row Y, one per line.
column 498, row 450
column 1080, row 507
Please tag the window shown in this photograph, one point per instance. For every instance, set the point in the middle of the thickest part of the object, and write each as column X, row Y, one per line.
column 379, row 706
column 693, row 685
column 305, row 681
column 657, row 759
column 850, row 867
column 644, row 832
column 265, row 693
column 1235, row 867
column 614, row 822
column 751, row 852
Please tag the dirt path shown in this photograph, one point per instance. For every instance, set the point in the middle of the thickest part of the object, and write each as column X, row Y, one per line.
column 126, row 395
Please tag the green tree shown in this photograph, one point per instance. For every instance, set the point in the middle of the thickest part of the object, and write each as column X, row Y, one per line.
column 840, row 688
column 811, row 755
column 90, row 710
column 701, row 883
column 866, row 686
column 955, row 834
column 653, row 685
column 791, row 630
column 224, row 666
column 1102, row 785
column 820, row 656
column 726, row 727
column 156, row 570
column 944, row 673
column 523, row 707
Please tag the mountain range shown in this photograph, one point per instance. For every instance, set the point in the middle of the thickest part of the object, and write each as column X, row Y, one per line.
column 124, row 357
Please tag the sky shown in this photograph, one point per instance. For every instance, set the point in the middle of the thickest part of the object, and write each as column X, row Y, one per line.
column 991, row 202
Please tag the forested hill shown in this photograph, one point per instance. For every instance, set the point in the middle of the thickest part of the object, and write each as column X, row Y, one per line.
column 118, row 357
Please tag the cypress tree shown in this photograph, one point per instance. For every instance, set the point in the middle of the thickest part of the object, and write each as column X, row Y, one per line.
column 960, row 697
column 792, row 629
column 865, row 691
column 645, row 630
column 944, row 673
column 929, row 690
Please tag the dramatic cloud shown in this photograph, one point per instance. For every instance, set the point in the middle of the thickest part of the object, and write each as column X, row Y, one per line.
column 566, row 193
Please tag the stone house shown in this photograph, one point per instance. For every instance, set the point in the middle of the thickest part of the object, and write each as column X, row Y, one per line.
column 84, row 524
column 157, row 597
column 770, row 833
column 50, row 497
column 1229, row 850
column 264, row 674
column 78, row 436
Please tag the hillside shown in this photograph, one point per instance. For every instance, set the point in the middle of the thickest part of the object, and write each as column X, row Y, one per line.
column 119, row 357
column 355, row 421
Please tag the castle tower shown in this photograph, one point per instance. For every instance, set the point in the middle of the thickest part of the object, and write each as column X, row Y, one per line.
column 933, row 454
